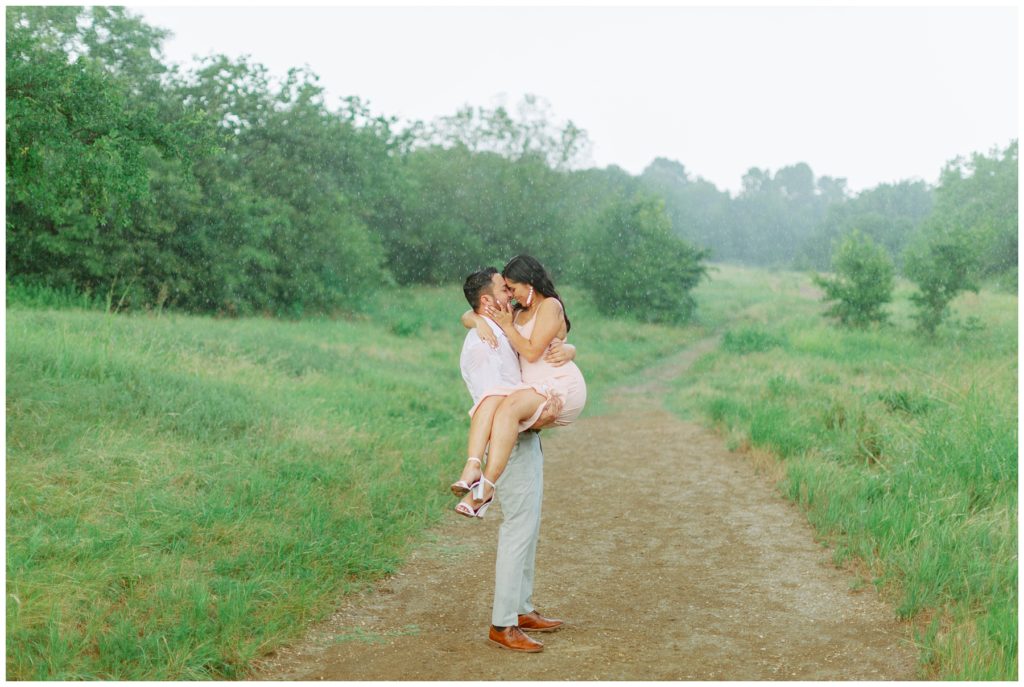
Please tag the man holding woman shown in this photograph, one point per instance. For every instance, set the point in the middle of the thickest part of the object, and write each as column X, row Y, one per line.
column 553, row 393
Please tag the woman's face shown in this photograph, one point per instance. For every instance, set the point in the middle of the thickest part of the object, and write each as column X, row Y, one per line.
column 519, row 290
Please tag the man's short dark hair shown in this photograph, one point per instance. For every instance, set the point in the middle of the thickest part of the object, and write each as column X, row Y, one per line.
column 477, row 284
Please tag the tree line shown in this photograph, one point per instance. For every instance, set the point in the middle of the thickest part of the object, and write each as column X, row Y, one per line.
column 217, row 188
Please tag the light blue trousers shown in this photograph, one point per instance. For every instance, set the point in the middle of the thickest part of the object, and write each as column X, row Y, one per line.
column 519, row 491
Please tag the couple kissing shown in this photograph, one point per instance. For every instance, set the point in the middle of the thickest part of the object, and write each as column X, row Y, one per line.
column 522, row 377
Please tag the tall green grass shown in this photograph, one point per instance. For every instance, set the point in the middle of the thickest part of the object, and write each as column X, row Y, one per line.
column 184, row 494
column 25, row 295
column 903, row 451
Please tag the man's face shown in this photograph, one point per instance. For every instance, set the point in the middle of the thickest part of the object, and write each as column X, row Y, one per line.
column 501, row 290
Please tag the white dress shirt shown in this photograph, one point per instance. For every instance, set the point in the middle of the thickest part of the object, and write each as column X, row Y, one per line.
column 485, row 368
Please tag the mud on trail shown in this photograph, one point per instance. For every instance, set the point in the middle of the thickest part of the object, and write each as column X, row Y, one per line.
column 669, row 558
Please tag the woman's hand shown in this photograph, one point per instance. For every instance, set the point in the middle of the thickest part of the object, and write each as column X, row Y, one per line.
column 486, row 334
column 559, row 353
column 502, row 316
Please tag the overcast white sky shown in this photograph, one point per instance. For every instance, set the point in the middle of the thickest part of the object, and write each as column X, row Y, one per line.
column 871, row 94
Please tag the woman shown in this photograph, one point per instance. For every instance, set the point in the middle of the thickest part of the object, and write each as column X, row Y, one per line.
column 502, row 413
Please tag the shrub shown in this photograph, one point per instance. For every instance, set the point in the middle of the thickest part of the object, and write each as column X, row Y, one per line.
column 42, row 297
column 942, row 262
column 905, row 401
column 863, row 282
column 749, row 340
column 635, row 266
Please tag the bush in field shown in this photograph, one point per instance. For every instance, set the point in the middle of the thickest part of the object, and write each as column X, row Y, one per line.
column 863, row 282
column 635, row 266
column 943, row 262
column 750, row 340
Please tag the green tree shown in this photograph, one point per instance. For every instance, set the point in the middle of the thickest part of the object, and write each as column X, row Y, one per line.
column 888, row 213
column 775, row 214
column 280, row 224
column 943, row 262
column 80, row 136
column 214, row 190
column 978, row 195
column 483, row 186
column 587, row 195
column 531, row 133
column 699, row 212
column 469, row 209
column 636, row 267
column 862, row 284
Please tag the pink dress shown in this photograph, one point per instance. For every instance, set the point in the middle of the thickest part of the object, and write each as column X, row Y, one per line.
column 563, row 384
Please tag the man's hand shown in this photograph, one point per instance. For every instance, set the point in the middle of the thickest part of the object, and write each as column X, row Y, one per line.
column 551, row 412
column 559, row 353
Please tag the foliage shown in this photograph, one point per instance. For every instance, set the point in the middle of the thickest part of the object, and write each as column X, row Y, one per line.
column 970, row 235
column 776, row 213
column 889, row 214
column 588, row 194
column 470, row 209
column 750, row 340
column 30, row 295
column 280, row 222
column 218, row 188
column 638, row 268
column 977, row 196
column 78, row 140
column 483, row 186
column 943, row 262
column 863, row 283
column 530, row 134
column 698, row 211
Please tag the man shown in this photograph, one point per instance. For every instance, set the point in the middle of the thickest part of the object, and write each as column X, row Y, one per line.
column 520, row 486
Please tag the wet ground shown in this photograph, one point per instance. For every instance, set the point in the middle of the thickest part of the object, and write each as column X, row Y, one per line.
column 669, row 558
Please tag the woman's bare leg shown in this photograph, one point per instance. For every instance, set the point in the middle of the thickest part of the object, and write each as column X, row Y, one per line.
column 479, row 430
column 480, row 425
column 504, row 432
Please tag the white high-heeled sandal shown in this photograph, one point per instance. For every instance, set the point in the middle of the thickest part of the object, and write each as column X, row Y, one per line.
column 460, row 488
column 464, row 508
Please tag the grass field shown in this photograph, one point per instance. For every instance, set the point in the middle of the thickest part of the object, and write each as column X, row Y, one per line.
column 902, row 451
column 186, row 493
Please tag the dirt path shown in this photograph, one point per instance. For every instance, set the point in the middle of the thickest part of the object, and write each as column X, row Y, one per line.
column 669, row 557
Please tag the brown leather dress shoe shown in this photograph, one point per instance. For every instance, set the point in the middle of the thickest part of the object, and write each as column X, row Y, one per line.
column 513, row 638
column 535, row 622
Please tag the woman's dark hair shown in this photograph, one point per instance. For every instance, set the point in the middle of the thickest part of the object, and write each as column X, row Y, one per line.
column 526, row 269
